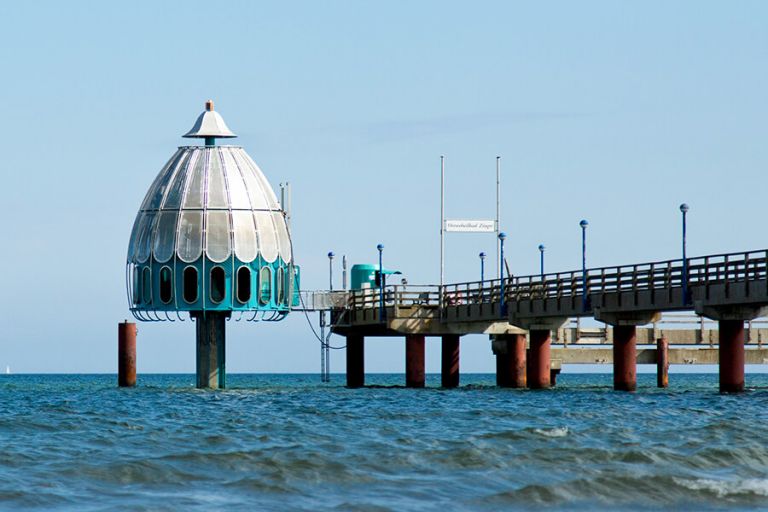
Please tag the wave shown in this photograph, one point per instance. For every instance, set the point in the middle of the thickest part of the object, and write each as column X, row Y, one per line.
column 748, row 487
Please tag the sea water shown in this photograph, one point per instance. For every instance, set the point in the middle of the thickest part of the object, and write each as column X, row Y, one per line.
column 288, row 442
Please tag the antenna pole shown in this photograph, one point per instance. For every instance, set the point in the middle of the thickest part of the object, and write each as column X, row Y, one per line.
column 442, row 221
column 344, row 272
column 498, row 216
column 285, row 201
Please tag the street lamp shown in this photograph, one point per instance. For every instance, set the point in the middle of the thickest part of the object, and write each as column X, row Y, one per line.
column 380, row 248
column 541, row 261
column 325, row 353
column 684, row 210
column 584, row 225
column 502, row 237
column 482, row 268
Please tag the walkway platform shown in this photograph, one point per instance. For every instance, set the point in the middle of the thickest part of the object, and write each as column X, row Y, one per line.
column 526, row 315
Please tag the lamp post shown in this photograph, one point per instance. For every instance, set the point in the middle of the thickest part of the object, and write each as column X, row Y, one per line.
column 502, row 237
column 584, row 225
column 380, row 248
column 325, row 353
column 541, row 261
column 482, row 268
column 684, row 210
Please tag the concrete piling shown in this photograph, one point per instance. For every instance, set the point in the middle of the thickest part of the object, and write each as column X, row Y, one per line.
column 662, row 363
column 449, row 371
column 731, row 359
column 126, row 354
column 414, row 361
column 211, row 344
column 539, row 375
column 624, row 358
column 553, row 373
column 355, row 361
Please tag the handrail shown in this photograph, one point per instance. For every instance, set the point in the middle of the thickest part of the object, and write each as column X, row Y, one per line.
column 657, row 275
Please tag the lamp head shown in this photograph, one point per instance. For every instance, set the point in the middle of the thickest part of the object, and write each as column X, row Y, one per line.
column 541, row 247
column 330, row 255
column 583, row 223
column 684, row 208
column 380, row 247
column 502, row 236
column 482, row 255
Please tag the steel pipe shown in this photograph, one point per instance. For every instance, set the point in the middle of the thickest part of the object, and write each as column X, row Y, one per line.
column 539, row 376
column 450, row 361
column 731, row 333
column 625, row 358
column 662, row 363
column 355, row 361
column 126, row 354
column 414, row 361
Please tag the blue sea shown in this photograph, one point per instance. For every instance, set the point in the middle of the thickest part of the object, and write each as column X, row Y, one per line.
column 288, row 442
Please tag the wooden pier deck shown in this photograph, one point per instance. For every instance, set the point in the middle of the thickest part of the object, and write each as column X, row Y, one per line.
column 534, row 312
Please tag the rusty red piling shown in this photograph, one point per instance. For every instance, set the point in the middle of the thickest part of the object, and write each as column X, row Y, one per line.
column 539, row 376
column 502, row 370
column 625, row 358
column 731, row 333
column 414, row 361
column 355, row 361
column 662, row 362
column 126, row 354
column 518, row 374
column 449, row 371
column 510, row 361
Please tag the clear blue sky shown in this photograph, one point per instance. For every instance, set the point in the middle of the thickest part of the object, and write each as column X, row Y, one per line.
column 612, row 111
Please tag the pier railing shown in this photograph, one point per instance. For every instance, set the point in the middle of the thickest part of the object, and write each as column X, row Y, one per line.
column 397, row 295
column 322, row 300
column 705, row 271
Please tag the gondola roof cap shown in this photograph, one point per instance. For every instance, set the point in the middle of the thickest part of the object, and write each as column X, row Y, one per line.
column 209, row 124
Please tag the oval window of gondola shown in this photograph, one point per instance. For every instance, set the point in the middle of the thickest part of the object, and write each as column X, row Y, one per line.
column 265, row 285
column 136, row 284
column 289, row 288
column 243, row 284
column 166, row 285
column 218, row 284
column 280, row 282
column 190, row 285
column 146, row 285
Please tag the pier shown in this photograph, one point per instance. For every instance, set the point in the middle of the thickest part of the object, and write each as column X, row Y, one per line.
column 526, row 317
column 212, row 240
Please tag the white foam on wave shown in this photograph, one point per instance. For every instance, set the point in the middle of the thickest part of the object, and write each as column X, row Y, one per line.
column 723, row 488
column 552, row 432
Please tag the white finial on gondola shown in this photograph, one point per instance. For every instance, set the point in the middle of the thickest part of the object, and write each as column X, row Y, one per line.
column 210, row 126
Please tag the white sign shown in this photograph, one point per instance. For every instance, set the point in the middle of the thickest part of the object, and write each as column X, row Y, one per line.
column 470, row 226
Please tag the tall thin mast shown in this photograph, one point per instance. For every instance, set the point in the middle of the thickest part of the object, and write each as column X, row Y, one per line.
column 442, row 220
column 498, row 217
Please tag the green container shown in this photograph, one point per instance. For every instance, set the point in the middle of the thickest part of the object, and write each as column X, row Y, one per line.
column 366, row 273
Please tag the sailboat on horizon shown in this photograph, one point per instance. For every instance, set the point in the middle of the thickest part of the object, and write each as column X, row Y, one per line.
column 7, row 370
